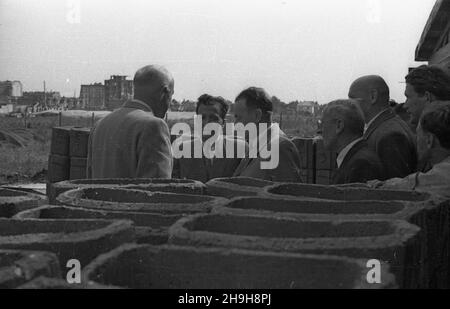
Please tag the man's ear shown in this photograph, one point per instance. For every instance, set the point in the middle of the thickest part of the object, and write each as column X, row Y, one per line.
column 373, row 96
column 339, row 126
column 429, row 96
column 431, row 140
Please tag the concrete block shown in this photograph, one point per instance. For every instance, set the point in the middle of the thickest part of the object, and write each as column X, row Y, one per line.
column 236, row 186
column 68, row 239
column 175, row 267
column 79, row 138
column 319, row 209
column 323, row 177
column 183, row 186
column 14, row 201
column 77, row 168
column 305, row 148
column 19, row 267
column 392, row 242
column 310, row 192
column 60, row 143
column 139, row 201
column 58, row 168
column 307, row 176
column 433, row 219
column 149, row 227
column 325, row 160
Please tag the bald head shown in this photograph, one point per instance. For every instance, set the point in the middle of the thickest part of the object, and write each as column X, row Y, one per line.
column 371, row 93
column 154, row 85
column 152, row 76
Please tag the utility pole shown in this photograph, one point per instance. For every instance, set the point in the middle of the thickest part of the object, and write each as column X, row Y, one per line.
column 45, row 96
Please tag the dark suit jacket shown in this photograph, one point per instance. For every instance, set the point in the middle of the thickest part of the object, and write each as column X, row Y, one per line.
column 130, row 143
column 394, row 142
column 288, row 169
column 204, row 169
column 360, row 165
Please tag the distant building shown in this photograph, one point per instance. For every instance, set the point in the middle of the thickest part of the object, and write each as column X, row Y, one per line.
column 434, row 45
column 40, row 99
column 92, row 97
column 10, row 92
column 118, row 89
column 307, row 107
column 6, row 109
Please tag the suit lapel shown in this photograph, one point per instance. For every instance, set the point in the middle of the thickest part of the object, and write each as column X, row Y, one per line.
column 352, row 152
column 386, row 115
column 340, row 172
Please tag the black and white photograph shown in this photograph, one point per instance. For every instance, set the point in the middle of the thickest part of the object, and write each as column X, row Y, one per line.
column 225, row 150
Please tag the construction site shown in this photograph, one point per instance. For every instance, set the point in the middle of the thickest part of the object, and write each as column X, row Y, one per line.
column 64, row 230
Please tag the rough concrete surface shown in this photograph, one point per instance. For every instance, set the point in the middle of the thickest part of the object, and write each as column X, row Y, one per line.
column 18, row 267
column 14, row 201
column 183, row 186
column 396, row 243
column 139, row 201
column 68, row 239
column 145, row 266
column 236, row 186
column 149, row 227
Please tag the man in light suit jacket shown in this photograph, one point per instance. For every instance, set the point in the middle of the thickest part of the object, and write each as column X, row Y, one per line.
column 212, row 110
column 253, row 105
column 386, row 133
column 134, row 141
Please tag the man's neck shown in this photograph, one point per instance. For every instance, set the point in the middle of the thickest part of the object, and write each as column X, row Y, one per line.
column 374, row 113
column 146, row 102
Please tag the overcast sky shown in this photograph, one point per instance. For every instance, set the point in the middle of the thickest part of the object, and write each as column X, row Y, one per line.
column 296, row 49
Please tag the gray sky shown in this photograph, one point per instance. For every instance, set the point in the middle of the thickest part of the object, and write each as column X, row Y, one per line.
column 296, row 49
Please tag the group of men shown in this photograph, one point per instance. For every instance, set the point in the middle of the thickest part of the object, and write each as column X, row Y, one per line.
column 374, row 145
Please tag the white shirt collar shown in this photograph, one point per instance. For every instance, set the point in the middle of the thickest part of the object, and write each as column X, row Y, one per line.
column 367, row 125
column 344, row 152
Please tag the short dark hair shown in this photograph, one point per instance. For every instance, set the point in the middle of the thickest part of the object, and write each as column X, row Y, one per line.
column 432, row 79
column 436, row 120
column 207, row 99
column 350, row 112
column 257, row 98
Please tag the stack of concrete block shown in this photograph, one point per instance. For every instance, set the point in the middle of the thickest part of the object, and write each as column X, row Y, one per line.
column 393, row 243
column 306, row 148
column 19, row 267
column 79, row 138
column 14, row 201
column 68, row 154
column 59, row 159
column 325, row 163
column 183, row 186
column 317, row 164
column 180, row 267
